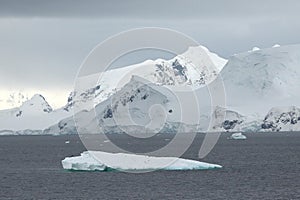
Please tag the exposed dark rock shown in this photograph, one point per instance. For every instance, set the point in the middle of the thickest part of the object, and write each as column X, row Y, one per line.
column 19, row 114
column 108, row 113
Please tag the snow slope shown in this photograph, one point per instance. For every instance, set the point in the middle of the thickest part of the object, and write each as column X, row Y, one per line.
column 259, row 80
column 90, row 161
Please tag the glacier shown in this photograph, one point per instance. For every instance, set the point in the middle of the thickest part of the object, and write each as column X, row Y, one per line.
column 103, row 161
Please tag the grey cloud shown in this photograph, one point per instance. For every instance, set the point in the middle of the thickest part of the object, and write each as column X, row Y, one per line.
column 155, row 9
column 42, row 43
column 48, row 52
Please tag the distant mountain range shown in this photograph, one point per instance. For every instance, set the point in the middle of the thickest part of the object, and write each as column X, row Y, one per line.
column 262, row 94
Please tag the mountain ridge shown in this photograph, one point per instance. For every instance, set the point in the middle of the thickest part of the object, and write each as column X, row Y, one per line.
column 254, row 81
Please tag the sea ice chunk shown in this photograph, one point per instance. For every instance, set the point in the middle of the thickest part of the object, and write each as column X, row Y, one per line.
column 238, row 136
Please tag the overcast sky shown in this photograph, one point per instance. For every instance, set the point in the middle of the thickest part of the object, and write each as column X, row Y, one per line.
column 43, row 43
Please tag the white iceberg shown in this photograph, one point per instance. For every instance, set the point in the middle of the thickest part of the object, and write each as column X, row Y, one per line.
column 238, row 136
column 254, row 49
column 130, row 162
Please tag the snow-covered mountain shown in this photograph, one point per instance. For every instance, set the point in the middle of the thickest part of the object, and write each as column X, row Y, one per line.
column 277, row 119
column 133, row 109
column 195, row 68
column 282, row 119
column 262, row 94
column 121, row 95
column 258, row 80
column 33, row 114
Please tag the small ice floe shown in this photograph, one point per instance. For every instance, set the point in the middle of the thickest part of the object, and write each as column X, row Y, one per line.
column 254, row 49
column 237, row 136
column 275, row 46
column 67, row 142
column 103, row 161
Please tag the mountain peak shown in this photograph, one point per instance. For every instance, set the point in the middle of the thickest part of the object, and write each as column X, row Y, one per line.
column 38, row 97
column 194, row 53
column 37, row 103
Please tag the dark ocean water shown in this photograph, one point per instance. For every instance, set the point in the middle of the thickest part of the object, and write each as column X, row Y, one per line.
column 266, row 166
